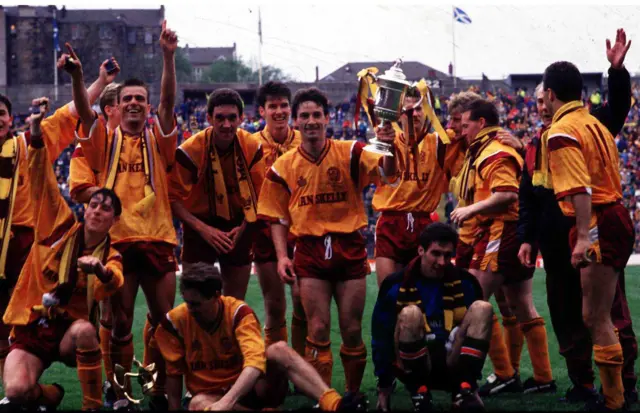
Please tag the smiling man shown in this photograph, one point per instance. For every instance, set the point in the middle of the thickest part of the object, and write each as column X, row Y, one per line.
column 430, row 327
column 133, row 160
column 53, row 308
column 315, row 192
column 274, row 103
column 213, row 191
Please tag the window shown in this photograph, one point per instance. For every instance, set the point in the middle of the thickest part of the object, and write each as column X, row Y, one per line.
column 104, row 32
column 132, row 36
column 76, row 32
column 198, row 73
column 148, row 37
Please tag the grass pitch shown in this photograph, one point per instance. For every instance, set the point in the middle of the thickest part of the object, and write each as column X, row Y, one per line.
column 67, row 377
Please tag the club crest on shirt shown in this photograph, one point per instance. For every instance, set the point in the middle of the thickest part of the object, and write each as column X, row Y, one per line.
column 334, row 175
column 301, row 182
column 219, row 198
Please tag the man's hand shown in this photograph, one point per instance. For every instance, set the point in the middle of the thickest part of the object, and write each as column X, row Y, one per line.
column 35, row 119
column 524, row 255
column 580, row 255
column 70, row 63
column 91, row 265
column 236, row 233
column 509, row 140
column 168, row 39
column 220, row 406
column 461, row 214
column 617, row 53
column 108, row 78
column 386, row 133
column 285, row 271
column 384, row 400
column 219, row 240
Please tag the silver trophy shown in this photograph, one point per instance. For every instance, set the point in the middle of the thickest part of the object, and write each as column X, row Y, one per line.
column 146, row 375
column 388, row 104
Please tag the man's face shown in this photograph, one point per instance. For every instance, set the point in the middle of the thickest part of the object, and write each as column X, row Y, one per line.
column 470, row 128
column 548, row 97
column 99, row 215
column 418, row 115
column 134, row 104
column 544, row 113
column 6, row 120
column 312, row 121
column 276, row 112
column 113, row 114
column 455, row 123
column 225, row 120
column 435, row 259
column 201, row 308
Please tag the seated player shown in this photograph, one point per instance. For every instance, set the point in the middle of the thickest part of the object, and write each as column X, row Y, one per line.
column 71, row 266
column 215, row 343
column 431, row 327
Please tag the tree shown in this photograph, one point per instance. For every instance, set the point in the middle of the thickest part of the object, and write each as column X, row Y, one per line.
column 236, row 71
column 184, row 70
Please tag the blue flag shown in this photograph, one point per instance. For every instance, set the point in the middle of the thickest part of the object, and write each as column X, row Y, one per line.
column 460, row 16
column 56, row 38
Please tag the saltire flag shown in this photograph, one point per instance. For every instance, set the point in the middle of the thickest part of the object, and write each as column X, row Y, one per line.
column 460, row 16
column 56, row 37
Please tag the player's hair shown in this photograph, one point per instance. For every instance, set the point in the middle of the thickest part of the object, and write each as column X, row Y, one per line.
column 438, row 232
column 461, row 101
column 564, row 79
column 5, row 99
column 483, row 109
column 132, row 82
column 108, row 97
column 203, row 277
column 311, row 94
column 224, row 96
column 115, row 200
column 273, row 89
column 539, row 88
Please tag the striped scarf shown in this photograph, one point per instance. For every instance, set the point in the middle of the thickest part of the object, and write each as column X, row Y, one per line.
column 147, row 162
column 463, row 185
column 9, row 177
column 216, row 188
column 68, row 271
column 538, row 162
column 453, row 296
column 280, row 148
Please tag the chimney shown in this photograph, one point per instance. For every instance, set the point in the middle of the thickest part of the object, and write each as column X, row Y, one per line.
column 162, row 10
column 64, row 12
column 317, row 74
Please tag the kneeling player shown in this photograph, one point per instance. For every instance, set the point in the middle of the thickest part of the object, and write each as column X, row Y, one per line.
column 215, row 342
column 70, row 267
column 430, row 326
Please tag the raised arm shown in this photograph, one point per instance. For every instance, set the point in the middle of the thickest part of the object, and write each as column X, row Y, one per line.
column 72, row 65
column 169, row 44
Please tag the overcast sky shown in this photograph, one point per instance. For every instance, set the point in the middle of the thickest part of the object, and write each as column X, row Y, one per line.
column 503, row 38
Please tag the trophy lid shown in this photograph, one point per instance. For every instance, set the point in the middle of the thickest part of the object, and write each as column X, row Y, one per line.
column 395, row 74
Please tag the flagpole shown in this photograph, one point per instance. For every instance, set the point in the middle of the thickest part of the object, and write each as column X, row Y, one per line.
column 259, row 48
column 55, row 61
column 453, row 42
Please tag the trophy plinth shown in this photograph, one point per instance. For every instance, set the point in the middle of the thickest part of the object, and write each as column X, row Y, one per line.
column 388, row 104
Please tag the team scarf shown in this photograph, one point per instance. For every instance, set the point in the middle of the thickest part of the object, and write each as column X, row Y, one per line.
column 148, row 158
column 452, row 299
column 216, row 188
column 68, row 271
column 9, row 177
column 280, row 148
column 538, row 162
column 463, row 185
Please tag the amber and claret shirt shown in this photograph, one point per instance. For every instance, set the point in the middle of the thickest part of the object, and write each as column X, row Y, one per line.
column 156, row 225
column 315, row 197
column 212, row 359
column 498, row 169
column 583, row 157
column 421, row 190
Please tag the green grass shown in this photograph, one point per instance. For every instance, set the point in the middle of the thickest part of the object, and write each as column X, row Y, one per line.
column 67, row 377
